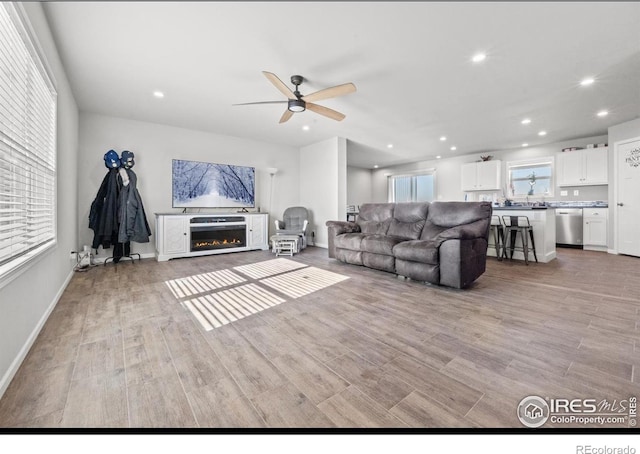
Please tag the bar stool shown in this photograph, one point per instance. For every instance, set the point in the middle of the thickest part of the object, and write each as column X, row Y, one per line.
column 514, row 225
column 497, row 228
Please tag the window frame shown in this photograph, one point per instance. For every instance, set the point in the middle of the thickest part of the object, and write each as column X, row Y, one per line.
column 550, row 160
column 21, row 262
column 414, row 173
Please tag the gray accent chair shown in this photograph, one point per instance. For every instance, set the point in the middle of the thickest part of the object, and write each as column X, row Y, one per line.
column 294, row 222
column 443, row 243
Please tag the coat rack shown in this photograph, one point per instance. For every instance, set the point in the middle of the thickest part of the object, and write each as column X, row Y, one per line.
column 117, row 214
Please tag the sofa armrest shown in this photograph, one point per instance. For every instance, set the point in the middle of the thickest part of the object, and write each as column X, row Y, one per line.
column 462, row 261
column 336, row 228
column 477, row 229
column 340, row 227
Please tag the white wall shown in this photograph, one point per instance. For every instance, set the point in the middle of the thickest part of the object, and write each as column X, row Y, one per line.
column 26, row 301
column 323, row 185
column 358, row 186
column 448, row 171
column 154, row 146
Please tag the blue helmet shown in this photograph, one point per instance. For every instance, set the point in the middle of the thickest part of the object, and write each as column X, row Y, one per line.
column 127, row 159
column 111, row 159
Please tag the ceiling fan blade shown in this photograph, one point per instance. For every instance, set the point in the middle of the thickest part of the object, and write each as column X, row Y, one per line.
column 260, row 102
column 330, row 113
column 279, row 85
column 333, row 92
column 286, row 115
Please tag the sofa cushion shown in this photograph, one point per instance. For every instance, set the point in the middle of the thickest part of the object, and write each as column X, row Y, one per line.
column 421, row 251
column 375, row 218
column 418, row 271
column 451, row 214
column 350, row 241
column 379, row 262
column 380, row 244
column 431, row 230
column 351, row 257
column 408, row 220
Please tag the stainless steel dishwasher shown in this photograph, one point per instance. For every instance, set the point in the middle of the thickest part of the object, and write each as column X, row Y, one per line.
column 569, row 226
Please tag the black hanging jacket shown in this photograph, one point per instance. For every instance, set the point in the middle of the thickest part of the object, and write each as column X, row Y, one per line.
column 103, row 215
column 132, row 218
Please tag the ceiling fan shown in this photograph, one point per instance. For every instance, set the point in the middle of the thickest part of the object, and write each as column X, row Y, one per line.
column 299, row 103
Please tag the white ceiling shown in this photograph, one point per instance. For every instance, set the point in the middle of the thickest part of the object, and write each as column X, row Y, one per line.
column 410, row 61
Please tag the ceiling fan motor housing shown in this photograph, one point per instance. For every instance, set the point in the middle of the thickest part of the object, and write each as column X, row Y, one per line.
column 297, row 105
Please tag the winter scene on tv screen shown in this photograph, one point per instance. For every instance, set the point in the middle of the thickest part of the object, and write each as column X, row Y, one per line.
column 208, row 185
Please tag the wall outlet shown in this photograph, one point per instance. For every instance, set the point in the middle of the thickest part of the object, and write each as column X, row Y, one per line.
column 564, row 193
column 576, row 192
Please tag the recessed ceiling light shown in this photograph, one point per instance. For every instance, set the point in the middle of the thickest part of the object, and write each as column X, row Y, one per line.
column 376, row 166
column 158, row 94
column 390, row 145
column 526, row 121
column 525, row 144
column 542, row 133
column 477, row 58
column 438, row 157
column 587, row 81
column 305, row 128
column 443, row 138
column 603, row 113
column 454, row 148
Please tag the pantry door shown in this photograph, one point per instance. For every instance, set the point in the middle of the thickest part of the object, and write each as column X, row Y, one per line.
column 627, row 196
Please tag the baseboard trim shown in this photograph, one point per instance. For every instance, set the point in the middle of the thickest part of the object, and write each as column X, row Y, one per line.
column 147, row 255
column 15, row 365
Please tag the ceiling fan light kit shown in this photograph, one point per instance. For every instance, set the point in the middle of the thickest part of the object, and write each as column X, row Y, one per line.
column 297, row 103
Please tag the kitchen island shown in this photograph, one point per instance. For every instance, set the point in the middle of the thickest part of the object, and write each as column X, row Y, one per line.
column 543, row 221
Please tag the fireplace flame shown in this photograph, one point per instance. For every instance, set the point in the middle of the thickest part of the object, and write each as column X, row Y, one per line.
column 200, row 244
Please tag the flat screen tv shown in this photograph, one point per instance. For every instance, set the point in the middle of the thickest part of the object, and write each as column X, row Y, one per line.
column 208, row 185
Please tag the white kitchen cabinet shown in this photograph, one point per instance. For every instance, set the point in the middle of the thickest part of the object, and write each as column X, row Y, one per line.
column 586, row 167
column 594, row 225
column 481, row 176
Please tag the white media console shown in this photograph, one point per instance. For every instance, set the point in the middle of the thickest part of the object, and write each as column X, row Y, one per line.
column 194, row 235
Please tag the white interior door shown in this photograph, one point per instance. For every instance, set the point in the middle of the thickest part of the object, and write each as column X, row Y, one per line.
column 628, row 197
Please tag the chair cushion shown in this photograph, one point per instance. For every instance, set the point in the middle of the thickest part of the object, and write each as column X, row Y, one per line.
column 380, row 244
column 294, row 217
column 422, row 251
column 350, row 241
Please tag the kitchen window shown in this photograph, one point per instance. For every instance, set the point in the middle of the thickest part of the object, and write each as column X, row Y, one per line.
column 413, row 187
column 27, row 145
column 531, row 178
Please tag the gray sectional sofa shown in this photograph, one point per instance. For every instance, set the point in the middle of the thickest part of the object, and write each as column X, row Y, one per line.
column 443, row 243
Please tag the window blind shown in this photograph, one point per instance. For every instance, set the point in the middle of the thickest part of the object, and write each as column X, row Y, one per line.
column 419, row 187
column 27, row 143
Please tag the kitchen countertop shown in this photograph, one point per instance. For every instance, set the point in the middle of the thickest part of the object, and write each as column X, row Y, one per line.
column 516, row 207
column 554, row 205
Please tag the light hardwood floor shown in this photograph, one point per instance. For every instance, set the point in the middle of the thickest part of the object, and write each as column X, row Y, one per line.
column 374, row 351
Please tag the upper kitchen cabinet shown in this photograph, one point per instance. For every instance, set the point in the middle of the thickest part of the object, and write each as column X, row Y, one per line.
column 586, row 167
column 481, row 176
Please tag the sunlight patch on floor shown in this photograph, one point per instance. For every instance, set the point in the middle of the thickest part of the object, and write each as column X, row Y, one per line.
column 203, row 283
column 302, row 282
column 226, row 306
